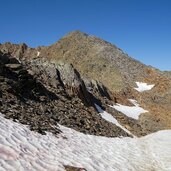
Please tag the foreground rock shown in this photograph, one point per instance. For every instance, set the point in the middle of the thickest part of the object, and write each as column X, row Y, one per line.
column 71, row 168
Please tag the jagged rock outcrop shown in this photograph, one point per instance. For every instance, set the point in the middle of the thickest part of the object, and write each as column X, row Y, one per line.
column 95, row 86
column 14, row 50
column 72, row 81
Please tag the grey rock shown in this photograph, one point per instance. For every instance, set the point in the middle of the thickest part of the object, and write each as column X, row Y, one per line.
column 72, row 81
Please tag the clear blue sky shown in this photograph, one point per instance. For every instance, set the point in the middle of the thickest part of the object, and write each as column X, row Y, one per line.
column 142, row 28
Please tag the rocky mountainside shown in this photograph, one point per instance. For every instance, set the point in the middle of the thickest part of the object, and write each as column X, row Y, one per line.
column 38, row 94
column 168, row 73
column 61, row 83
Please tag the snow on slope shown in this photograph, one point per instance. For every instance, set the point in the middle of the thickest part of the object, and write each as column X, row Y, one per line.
column 38, row 53
column 24, row 150
column 108, row 117
column 130, row 111
column 143, row 86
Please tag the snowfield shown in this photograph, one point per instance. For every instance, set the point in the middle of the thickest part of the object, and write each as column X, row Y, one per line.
column 130, row 111
column 143, row 86
column 108, row 117
column 24, row 150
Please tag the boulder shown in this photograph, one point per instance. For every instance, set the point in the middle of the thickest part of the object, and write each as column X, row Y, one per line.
column 71, row 80
column 95, row 86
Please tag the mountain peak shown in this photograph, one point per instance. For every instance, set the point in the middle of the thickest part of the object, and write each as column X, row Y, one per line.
column 77, row 32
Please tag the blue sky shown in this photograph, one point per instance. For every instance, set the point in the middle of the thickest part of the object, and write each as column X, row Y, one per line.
column 142, row 28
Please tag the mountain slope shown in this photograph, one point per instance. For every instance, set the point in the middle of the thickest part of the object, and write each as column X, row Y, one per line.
column 42, row 96
column 97, row 59
column 108, row 74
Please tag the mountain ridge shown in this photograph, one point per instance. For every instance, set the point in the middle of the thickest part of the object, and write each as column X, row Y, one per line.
column 108, row 74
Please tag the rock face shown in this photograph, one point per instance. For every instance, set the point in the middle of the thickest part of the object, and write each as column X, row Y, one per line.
column 95, row 86
column 71, row 79
column 60, row 83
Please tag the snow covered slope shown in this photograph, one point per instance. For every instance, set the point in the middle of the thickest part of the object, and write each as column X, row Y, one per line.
column 131, row 111
column 108, row 117
column 23, row 150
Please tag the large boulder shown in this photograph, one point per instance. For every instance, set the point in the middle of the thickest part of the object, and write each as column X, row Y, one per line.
column 71, row 80
column 96, row 87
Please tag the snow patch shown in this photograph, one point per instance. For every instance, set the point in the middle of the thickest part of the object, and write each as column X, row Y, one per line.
column 22, row 149
column 130, row 111
column 108, row 117
column 143, row 86
column 38, row 53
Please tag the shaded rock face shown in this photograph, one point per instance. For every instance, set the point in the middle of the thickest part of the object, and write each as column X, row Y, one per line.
column 43, row 70
column 22, row 96
column 59, row 74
